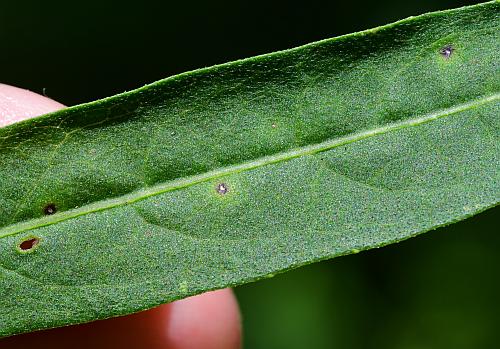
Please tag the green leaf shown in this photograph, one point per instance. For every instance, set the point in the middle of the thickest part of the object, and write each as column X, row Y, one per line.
column 233, row 173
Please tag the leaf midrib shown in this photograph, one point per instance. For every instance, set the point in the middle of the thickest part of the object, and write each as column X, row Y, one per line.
column 246, row 166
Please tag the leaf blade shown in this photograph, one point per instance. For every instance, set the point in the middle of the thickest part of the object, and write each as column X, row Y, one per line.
column 329, row 130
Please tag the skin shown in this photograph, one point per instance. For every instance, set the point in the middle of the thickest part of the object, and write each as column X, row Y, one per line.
column 208, row 321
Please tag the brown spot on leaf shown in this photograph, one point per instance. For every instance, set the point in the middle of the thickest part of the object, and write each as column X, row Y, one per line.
column 222, row 188
column 49, row 209
column 447, row 51
column 29, row 244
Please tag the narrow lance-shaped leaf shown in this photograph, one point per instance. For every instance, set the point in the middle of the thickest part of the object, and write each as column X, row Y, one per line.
column 230, row 174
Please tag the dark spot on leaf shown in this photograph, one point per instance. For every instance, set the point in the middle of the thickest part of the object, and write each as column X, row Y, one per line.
column 447, row 51
column 28, row 244
column 50, row 209
column 222, row 188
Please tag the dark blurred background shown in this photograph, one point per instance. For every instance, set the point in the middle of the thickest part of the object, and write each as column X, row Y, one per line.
column 439, row 290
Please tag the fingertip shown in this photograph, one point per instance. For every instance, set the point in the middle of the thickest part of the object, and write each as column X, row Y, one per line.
column 17, row 104
column 210, row 321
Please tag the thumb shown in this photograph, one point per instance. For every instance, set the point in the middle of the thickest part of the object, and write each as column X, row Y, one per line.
column 17, row 104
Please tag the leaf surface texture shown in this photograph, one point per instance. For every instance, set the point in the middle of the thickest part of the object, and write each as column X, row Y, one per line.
column 233, row 173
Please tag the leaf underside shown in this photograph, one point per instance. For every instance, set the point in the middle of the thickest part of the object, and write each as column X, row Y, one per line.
column 230, row 174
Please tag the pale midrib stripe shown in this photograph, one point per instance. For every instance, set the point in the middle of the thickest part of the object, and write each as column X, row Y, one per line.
column 267, row 160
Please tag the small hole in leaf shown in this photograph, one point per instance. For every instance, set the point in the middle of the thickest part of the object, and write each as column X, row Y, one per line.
column 49, row 209
column 447, row 51
column 28, row 244
column 222, row 188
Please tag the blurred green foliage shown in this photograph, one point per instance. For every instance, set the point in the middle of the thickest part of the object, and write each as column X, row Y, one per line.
column 438, row 290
